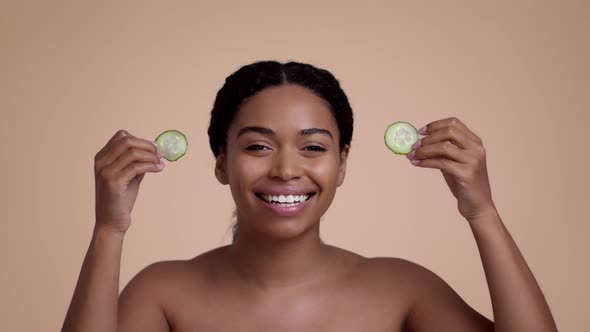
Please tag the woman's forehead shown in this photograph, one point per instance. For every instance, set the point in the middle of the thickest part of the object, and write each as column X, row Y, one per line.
column 285, row 106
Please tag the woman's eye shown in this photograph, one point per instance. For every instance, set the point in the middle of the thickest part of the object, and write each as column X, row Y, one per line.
column 315, row 148
column 256, row 147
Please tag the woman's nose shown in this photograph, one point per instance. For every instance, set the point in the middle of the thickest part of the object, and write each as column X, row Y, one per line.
column 286, row 165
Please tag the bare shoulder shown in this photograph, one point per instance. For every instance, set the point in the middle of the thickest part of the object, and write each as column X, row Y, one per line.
column 149, row 300
column 173, row 274
column 395, row 278
column 164, row 282
column 402, row 270
column 430, row 300
column 415, row 281
column 392, row 264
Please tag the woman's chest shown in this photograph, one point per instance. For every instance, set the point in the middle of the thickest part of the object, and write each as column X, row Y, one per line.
column 341, row 310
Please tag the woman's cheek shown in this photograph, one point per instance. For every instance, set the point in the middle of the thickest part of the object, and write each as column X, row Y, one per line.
column 250, row 168
column 322, row 170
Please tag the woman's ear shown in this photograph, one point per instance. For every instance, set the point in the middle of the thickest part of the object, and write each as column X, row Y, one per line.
column 220, row 170
column 342, row 166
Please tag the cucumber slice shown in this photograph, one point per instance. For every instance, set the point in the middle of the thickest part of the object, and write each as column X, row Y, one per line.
column 173, row 144
column 400, row 136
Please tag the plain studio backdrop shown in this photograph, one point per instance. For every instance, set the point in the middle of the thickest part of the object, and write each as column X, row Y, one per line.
column 73, row 73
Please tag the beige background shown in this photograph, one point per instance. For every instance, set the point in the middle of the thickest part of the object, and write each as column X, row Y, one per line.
column 515, row 72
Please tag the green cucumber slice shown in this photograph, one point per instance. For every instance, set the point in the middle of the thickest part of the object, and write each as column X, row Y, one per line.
column 173, row 144
column 400, row 136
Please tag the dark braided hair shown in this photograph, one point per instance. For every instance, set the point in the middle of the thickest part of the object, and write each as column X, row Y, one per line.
column 255, row 77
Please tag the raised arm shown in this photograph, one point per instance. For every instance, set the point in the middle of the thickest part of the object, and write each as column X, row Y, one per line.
column 119, row 169
column 517, row 300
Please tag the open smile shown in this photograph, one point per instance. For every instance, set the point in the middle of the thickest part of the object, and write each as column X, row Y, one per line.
column 285, row 200
column 285, row 205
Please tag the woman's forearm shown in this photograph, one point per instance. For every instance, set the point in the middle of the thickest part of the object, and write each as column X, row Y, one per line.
column 518, row 302
column 94, row 303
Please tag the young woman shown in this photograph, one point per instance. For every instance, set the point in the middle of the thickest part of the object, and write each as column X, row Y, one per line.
column 281, row 136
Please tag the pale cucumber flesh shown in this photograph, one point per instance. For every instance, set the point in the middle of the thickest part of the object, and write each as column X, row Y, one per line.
column 173, row 144
column 400, row 136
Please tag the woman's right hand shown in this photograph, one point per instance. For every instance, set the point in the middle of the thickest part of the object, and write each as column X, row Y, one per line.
column 119, row 168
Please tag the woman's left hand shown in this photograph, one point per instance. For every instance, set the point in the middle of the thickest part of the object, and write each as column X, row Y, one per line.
column 459, row 153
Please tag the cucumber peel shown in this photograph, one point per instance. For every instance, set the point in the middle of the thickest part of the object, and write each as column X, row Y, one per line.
column 400, row 136
column 173, row 144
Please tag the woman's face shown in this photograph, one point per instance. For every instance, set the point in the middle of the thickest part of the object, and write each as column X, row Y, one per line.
column 282, row 162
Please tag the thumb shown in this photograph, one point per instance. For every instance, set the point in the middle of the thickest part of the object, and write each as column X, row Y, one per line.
column 139, row 178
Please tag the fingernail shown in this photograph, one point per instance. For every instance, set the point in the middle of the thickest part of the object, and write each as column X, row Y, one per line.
column 415, row 162
column 417, row 144
column 411, row 155
column 159, row 152
column 422, row 130
column 162, row 163
column 154, row 143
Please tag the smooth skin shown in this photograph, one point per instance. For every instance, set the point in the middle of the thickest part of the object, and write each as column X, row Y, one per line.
column 278, row 275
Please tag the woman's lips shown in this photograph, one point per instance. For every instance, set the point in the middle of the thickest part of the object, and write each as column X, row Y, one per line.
column 283, row 210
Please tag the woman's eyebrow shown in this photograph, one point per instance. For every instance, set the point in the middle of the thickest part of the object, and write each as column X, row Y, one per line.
column 270, row 132
column 313, row 131
column 259, row 130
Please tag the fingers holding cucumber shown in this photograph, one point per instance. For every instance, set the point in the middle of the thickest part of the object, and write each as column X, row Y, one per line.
column 118, row 146
column 120, row 167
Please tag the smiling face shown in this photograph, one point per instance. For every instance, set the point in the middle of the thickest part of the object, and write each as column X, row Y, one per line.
column 282, row 161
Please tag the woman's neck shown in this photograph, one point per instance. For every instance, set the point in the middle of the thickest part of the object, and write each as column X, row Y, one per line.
column 281, row 263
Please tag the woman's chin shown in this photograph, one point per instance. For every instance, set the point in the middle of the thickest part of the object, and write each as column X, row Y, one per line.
column 282, row 230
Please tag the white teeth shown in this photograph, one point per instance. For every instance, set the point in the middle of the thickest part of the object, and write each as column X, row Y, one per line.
column 286, row 200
